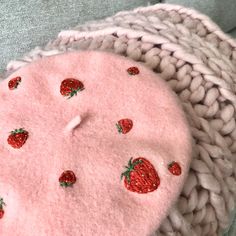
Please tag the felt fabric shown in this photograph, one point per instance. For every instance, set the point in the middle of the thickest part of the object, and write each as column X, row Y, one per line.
column 80, row 134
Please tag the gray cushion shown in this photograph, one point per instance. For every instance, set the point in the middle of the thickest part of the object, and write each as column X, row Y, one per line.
column 221, row 11
column 233, row 34
column 25, row 24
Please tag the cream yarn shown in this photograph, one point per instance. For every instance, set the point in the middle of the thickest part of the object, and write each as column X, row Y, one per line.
column 199, row 62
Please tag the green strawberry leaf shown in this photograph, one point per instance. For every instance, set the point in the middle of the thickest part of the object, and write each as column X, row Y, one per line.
column 66, row 184
column 74, row 92
column 119, row 128
column 130, row 162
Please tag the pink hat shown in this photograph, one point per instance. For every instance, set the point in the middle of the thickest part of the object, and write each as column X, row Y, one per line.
column 91, row 144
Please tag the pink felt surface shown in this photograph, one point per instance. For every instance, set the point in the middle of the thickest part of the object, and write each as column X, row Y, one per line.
column 98, row 203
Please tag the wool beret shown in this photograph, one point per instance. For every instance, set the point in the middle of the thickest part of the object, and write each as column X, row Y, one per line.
column 91, row 143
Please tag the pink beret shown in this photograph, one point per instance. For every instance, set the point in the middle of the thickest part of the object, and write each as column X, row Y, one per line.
column 91, row 144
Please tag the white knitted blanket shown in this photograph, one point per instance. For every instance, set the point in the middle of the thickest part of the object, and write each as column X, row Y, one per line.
column 199, row 62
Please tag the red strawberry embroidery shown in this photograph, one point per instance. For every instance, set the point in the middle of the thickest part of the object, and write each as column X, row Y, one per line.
column 174, row 168
column 124, row 125
column 140, row 176
column 2, row 203
column 17, row 138
column 13, row 83
column 70, row 87
column 133, row 70
column 67, row 178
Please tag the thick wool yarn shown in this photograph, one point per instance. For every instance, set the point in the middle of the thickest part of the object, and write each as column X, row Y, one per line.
column 199, row 62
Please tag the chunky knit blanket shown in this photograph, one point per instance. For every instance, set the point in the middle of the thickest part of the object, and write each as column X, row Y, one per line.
column 199, row 63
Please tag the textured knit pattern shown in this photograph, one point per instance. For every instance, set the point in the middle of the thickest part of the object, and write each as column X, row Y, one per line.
column 199, row 62
column 99, row 202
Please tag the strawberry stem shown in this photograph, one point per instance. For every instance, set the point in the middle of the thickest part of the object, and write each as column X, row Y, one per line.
column 18, row 131
column 2, row 203
column 171, row 164
column 130, row 168
column 66, row 184
column 17, row 83
column 74, row 92
column 118, row 128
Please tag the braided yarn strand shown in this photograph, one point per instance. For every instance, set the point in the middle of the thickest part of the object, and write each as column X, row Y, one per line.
column 199, row 63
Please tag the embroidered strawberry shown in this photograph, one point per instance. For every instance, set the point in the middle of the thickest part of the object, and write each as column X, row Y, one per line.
column 2, row 203
column 133, row 70
column 14, row 82
column 140, row 176
column 70, row 87
column 124, row 125
column 174, row 168
column 17, row 138
column 67, row 178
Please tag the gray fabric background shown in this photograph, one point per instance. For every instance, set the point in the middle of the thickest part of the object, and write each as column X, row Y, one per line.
column 223, row 12
column 25, row 24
